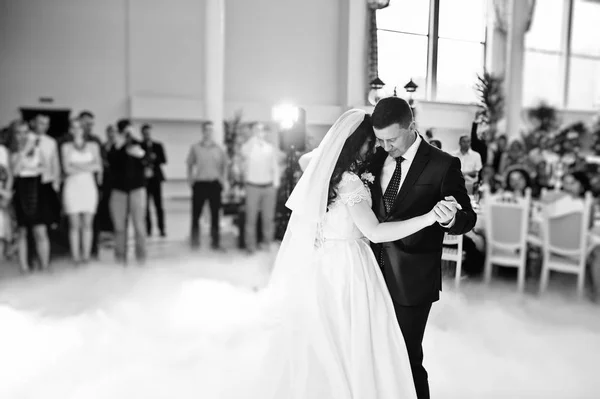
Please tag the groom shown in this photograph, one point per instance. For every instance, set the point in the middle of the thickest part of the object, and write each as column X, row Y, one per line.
column 411, row 177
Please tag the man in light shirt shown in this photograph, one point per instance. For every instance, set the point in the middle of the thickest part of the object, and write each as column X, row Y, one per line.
column 262, row 175
column 470, row 162
column 51, row 169
column 206, row 171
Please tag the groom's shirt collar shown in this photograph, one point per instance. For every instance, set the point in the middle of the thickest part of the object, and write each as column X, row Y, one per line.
column 411, row 153
column 390, row 164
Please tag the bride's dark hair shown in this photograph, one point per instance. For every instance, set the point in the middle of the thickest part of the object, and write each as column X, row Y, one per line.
column 350, row 158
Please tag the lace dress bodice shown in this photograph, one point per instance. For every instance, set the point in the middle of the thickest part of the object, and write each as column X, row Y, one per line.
column 337, row 224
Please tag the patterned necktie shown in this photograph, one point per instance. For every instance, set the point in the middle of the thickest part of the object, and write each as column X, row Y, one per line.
column 392, row 189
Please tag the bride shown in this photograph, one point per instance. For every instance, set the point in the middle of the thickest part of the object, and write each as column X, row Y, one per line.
column 332, row 330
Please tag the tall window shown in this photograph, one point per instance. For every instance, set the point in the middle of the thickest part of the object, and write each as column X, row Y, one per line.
column 440, row 44
column 562, row 56
column 584, row 68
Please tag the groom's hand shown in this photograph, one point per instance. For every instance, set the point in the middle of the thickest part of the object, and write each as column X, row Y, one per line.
column 445, row 211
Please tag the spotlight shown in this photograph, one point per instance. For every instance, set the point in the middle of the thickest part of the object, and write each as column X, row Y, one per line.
column 286, row 115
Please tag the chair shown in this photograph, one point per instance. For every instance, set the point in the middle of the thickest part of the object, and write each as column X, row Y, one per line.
column 565, row 233
column 452, row 251
column 506, row 225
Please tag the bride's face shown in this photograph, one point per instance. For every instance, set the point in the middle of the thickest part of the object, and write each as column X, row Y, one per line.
column 367, row 148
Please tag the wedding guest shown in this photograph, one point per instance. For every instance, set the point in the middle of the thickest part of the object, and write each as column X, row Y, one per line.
column 515, row 155
column 31, row 208
column 51, row 171
column 470, row 162
column 128, row 195
column 155, row 158
column 6, row 183
column 498, row 148
column 103, row 215
column 517, row 181
column 87, row 120
column 479, row 140
column 487, row 180
column 262, row 175
column 206, row 172
column 81, row 161
column 544, row 153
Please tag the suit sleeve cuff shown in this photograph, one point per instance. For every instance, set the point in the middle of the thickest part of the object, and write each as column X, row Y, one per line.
column 449, row 224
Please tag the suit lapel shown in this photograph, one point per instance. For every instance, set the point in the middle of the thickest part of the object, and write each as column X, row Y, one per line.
column 416, row 168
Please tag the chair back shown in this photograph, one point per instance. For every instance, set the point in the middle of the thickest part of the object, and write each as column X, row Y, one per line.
column 506, row 220
column 565, row 226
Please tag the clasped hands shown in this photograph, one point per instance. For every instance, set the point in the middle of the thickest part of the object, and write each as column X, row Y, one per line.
column 445, row 210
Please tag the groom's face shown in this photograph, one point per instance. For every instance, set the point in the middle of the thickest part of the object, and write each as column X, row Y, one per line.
column 395, row 139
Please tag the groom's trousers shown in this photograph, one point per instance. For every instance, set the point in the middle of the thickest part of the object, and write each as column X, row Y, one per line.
column 412, row 321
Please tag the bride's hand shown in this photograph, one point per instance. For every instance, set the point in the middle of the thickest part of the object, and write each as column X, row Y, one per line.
column 443, row 207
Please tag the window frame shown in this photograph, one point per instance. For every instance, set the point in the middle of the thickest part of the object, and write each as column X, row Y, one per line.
column 566, row 55
column 433, row 38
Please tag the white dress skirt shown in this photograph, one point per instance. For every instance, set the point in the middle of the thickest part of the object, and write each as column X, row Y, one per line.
column 80, row 192
column 344, row 343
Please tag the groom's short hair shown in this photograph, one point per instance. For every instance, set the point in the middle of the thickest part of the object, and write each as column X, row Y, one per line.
column 391, row 110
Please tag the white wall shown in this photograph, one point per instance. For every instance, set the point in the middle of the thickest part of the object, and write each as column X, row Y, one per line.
column 72, row 51
column 98, row 55
column 282, row 50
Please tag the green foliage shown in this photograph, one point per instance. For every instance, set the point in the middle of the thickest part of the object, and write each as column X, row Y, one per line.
column 491, row 97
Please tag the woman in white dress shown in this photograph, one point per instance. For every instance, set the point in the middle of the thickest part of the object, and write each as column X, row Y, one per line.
column 332, row 326
column 81, row 161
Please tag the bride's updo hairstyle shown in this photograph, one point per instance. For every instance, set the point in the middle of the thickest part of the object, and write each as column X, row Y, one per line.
column 350, row 157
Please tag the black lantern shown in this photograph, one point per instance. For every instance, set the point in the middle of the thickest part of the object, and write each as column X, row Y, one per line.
column 377, row 91
column 411, row 86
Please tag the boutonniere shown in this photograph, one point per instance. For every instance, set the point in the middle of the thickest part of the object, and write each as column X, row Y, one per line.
column 367, row 178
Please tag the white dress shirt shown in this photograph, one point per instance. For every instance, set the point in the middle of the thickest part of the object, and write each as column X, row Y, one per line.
column 469, row 162
column 51, row 165
column 261, row 162
column 390, row 165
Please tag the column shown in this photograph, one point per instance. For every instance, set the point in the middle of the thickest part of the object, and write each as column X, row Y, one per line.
column 515, row 55
column 495, row 43
column 354, row 33
column 214, row 54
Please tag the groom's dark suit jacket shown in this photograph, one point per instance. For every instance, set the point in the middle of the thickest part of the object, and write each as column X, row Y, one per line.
column 412, row 266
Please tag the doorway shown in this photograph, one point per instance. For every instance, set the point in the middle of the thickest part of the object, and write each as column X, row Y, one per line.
column 59, row 119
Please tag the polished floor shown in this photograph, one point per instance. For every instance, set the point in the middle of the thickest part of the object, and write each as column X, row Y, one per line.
column 163, row 330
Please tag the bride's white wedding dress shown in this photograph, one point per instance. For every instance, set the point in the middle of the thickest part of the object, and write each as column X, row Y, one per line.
column 341, row 340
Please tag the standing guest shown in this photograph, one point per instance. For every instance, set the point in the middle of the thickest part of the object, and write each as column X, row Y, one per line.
column 81, row 161
column 87, row 121
column 261, row 166
column 206, row 170
column 155, row 158
column 103, row 215
column 497, row 151
column 51, row 172
column 6, row 182
column 31, row 208
column 470, row 162
column 479, row 140
column 128, row 194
